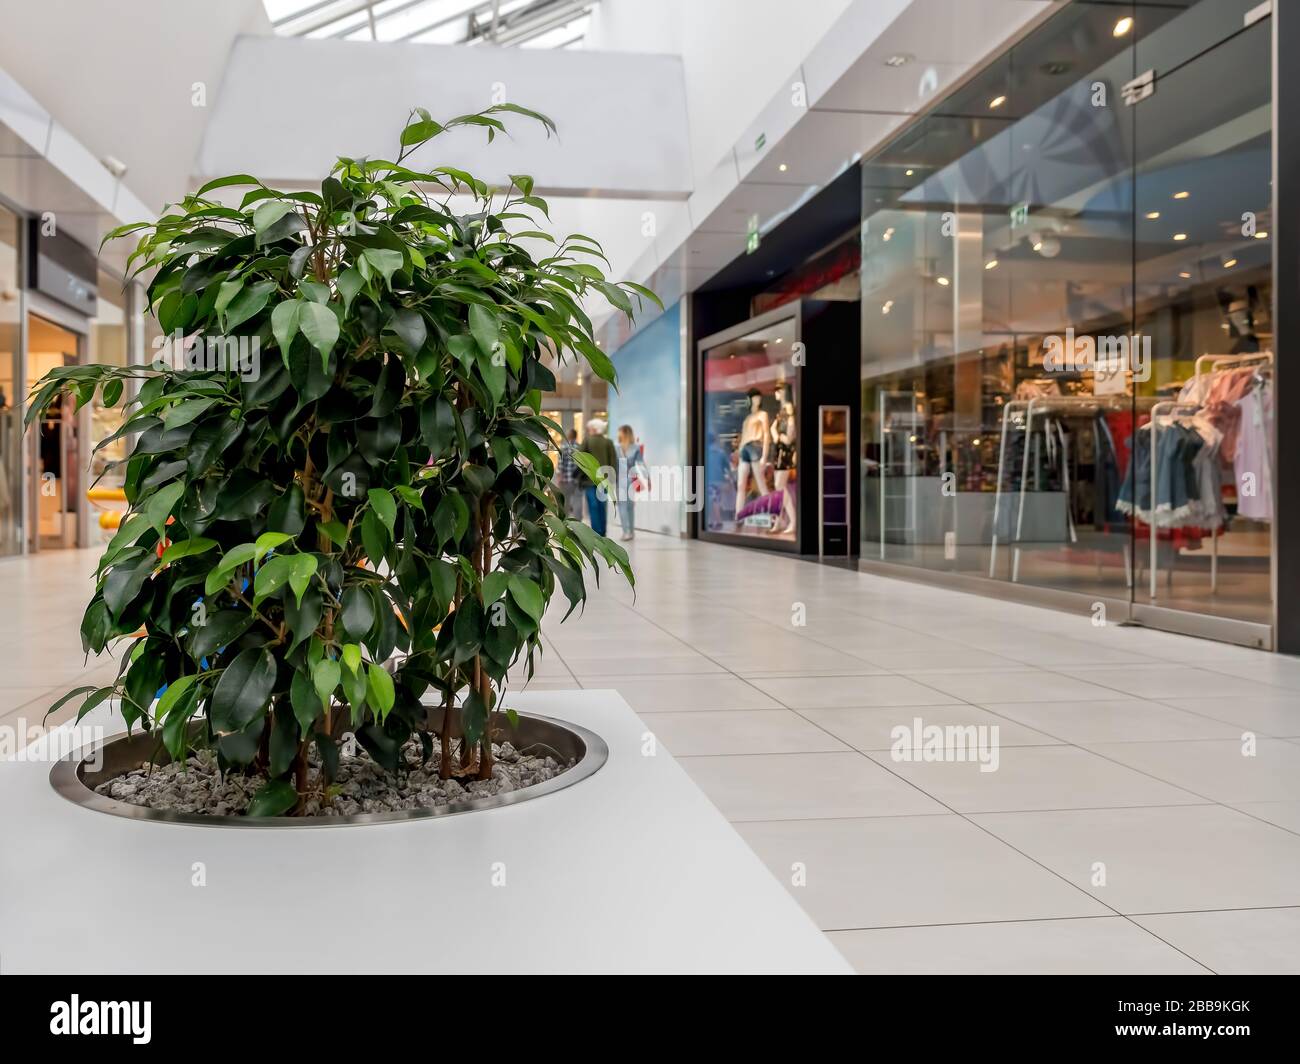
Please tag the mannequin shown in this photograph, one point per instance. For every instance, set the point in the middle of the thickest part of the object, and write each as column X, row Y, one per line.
column 755, row 439
column 783, row 434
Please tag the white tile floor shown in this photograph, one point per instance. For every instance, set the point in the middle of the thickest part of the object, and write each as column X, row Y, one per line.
column 1144, row 815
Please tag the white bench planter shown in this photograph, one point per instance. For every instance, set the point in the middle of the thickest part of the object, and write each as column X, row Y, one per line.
column 631, row 870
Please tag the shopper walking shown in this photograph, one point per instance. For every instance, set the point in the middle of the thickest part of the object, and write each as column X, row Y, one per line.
column 630, row 460
column 598, row 445
column 566, row 475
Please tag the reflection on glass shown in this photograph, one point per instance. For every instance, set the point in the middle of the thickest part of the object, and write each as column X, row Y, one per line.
column 109, row 339
column 10, row 390
column 751, row 449
column 1037, row 273
column 59, row 470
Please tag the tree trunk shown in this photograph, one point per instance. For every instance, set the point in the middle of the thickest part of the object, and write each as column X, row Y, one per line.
column 484, row 680
column 300, row 775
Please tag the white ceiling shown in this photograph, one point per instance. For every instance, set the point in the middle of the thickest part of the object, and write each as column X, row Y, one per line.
column 856, row 102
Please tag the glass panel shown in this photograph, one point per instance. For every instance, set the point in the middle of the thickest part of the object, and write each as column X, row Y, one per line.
column 982, row 456
column 108, row 337
column 1042, row 263
column 59, row 476
column 11, row 390
column 1203, row 25
column 751, row 471
column 1204, row 287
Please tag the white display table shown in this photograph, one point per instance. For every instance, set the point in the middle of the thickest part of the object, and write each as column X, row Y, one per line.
column 632, row 870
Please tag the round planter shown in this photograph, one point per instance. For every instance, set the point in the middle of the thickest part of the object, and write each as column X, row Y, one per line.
column 532, row 734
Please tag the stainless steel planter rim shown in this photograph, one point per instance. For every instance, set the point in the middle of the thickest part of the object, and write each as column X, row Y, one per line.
column 66, row 778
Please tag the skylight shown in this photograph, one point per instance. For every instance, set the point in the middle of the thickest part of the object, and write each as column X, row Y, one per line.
column 507, row 23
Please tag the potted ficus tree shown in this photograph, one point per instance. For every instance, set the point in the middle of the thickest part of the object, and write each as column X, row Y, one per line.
column 340, row 500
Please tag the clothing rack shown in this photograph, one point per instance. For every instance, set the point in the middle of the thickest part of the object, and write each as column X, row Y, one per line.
column 1169, row 406
column 1044, row 404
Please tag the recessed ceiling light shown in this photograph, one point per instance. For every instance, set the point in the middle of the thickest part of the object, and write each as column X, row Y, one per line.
column 1181, row 195
column 1230, row 264
column 783, row 168
column 888, row 234
column 1261, row 235
column 1122, row 26
column 886, row 306
column 943, row 281
column 976, row 441
column 1180, row 236
column 1184, row 274
column 1153, row 214
column 908, row 172
column 991, row 264
column 997, row 101
column 1038, row 245
column 898, row 59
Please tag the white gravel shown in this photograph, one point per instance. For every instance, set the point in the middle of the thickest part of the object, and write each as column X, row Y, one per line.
column 362, row 786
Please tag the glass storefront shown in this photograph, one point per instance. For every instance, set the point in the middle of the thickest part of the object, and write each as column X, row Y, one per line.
column 1046, row 265
column 750, row 446
column 109, row 345
column 11, row 537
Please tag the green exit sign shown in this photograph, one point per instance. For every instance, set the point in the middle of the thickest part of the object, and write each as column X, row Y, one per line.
column 1019, row 215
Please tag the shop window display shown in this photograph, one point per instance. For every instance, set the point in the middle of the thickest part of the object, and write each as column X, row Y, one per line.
column 1008, row 251
column 750, row 434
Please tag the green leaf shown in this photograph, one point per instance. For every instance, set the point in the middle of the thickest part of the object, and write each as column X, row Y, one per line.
column 302, row 567
column 76, row 692
column 173, row 695
column 243, row 691
column 284, row 325
column 410, row 329
column 112, row 391
column 274, row 798
column 226, row 182
column 417, row 132
column 287, row 514
column 437, row 426
column 249, row 302
column 181, row 414
column 335, row 531
column 222, row 629
column 485, row 327
column 271, row 577
column 588, row 464
column 160, row 506
column 305, row 702
column 373, row 538
column 385, row 508
column 352, row 657
column 494, row 585
column 358, row 615
column 386, row 261
column 350, row 282
column 527, row 595
column 493, row 371
column 227, row 292
column 220, row 574
column 321, row 328
column 268, row 541
column 315, row 291
column 268, row 213
column 379, row 690
column 187, row 548
column 325, row 675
